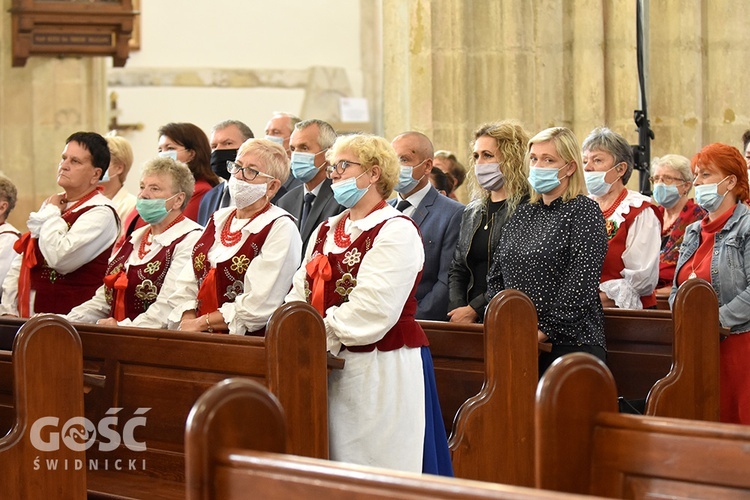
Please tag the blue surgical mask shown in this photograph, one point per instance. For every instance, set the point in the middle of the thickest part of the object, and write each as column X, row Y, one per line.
column 169, row 154
column 544, row 180
column 666, row 195
column 596, row 184
column 489, row 176
column 105, row 177
column 303, row 166
column 274, row 138
column 347, row 193
column 406, row 182
column 708, row 197
column 153, row 210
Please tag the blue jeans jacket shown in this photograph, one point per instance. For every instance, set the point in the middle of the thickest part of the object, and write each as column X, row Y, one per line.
column 730, row 268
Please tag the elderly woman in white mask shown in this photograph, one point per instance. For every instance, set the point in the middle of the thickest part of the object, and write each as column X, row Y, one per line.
column 242, row 265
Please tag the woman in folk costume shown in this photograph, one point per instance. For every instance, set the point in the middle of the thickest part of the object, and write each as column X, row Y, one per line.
column 142, row 275
column 243, row 263
column 631, row 267
column 64, row 255
column 361, row 272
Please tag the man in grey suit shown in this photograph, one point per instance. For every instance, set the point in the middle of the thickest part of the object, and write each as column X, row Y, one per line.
column 312, row 202
column 226, row 139
column 438, row 218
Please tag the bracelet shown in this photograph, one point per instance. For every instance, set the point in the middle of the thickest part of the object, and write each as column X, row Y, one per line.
column 208, row 323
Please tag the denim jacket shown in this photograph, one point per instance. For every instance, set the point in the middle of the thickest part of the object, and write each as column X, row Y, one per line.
column 730, row 268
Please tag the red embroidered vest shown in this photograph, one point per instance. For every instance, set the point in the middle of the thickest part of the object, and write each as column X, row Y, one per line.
column 59, row 293
column 613, row 264
column 344, row 268
column 144, row 281
column 229, row 274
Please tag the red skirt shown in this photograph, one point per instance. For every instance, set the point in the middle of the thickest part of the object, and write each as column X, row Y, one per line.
column 735, row 379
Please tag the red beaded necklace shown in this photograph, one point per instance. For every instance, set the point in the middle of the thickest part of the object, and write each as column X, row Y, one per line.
column 81, row 201
column 230, row 238
column 340, row 237
column 142, row 251
column 608, row 213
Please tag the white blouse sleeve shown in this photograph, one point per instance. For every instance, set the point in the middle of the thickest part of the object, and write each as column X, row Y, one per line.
column 92, row 310
column 641, row 259
column 184, row 297
column 9, row 303
column 384, row 282
column 267, row 279
column 66, row 249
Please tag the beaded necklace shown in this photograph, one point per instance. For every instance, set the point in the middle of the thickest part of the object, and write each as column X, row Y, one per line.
column 340, row 237
column 608, row 213
column 142, row 250
column 230, row 238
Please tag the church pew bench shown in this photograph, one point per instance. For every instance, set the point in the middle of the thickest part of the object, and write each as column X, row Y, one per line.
column 227, row 459
column 490, row 412
column 585, row 447
column 166, row 371
column 47, row 373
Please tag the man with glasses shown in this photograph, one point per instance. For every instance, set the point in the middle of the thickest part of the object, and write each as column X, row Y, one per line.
column 63, row 258
column 226, row 139
column 438, row 218
column 312, row 202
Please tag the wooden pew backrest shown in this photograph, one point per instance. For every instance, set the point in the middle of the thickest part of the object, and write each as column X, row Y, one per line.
column 224, row 461
column 48, row 384
column 493, row 433
column 691, row 388
column 585, row 446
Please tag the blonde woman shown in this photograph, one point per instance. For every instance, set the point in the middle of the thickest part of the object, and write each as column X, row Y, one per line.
column 500, row 186
column 553, row 250
column 360, row 272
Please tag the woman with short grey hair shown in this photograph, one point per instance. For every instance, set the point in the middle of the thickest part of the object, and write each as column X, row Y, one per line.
column 631, row 267
column 142, row 274
column 672, row 181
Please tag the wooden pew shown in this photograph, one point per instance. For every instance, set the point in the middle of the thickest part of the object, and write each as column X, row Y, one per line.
column 492, row 436
column 166, row 371
column 47, row 371
column 584, row 446
column 227, row 459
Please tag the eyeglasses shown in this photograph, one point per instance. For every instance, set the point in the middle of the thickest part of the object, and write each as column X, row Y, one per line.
column 248, row 173
column 340, row 167
column 666, row 179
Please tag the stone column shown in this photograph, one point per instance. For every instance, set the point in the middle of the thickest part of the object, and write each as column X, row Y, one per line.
column 41, row 104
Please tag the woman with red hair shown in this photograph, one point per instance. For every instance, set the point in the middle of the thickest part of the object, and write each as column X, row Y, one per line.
column 717, row 249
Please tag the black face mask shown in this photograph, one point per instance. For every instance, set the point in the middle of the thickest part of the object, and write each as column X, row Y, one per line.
column 219, row 160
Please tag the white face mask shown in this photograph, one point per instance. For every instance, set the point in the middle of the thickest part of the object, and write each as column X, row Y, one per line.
column 244, row 193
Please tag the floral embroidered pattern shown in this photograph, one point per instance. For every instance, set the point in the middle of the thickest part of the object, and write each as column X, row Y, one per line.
column 345, row 285
column 234, row 290
column 153, row 267
column 200, row 261
column 612, row 228
column 240, row 263
column 352, row 257
column 146, row 291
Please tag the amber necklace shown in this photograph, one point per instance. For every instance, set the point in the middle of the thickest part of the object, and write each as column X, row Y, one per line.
column 340, row 237
column 230, row 238
column 147, row 240
column 608, row 213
